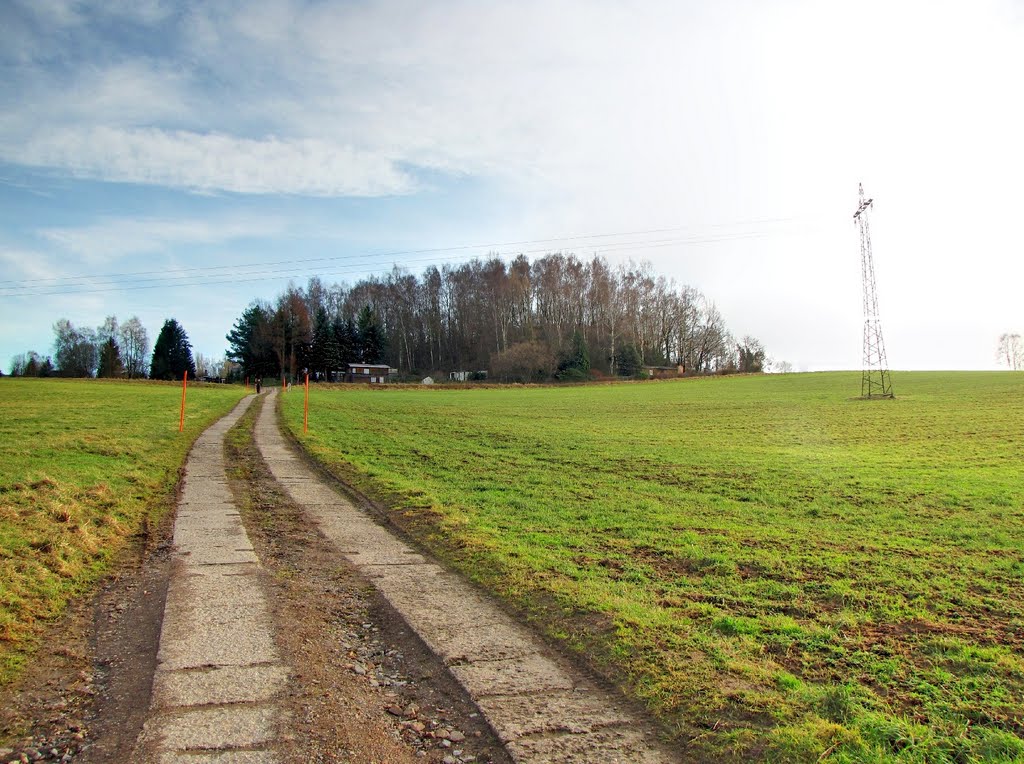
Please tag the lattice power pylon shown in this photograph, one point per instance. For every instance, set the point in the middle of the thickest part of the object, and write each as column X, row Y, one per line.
column 875, row 381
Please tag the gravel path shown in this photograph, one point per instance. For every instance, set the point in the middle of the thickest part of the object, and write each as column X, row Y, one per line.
column 219, row 673
column 541, row 708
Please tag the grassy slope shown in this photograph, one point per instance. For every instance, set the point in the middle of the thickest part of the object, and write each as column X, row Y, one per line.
column 83, row 464
column 775, row 568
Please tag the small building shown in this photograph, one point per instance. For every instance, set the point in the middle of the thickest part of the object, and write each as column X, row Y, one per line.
column 467, row 376
column 371, row 373
column 664, row 372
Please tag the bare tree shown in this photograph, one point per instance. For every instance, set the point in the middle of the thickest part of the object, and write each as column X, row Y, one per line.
column 75, row 350
column 463, row 316
column 134, row 342
column 1011, row 351
column 751, row 355
column 204, row 365
column 18, row 364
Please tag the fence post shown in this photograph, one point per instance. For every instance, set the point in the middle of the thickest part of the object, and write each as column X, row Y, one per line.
column 305, row 408
column 184, row 386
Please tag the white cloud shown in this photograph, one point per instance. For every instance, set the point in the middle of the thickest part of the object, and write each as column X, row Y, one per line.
column 24, row 264
column 111, row 239
column 213, row 162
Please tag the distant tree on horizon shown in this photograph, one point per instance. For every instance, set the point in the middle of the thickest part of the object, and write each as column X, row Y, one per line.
column 172, row 353
column 1010, row 351
column 31, row 364
column 751, row 355
column 249, row 342
column 133, row 341
column 370, row 337
column 575, row 364
column 628, row 362
column 110, row 364
column 75, row 350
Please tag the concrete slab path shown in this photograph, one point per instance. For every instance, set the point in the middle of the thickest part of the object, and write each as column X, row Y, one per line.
column 541, row 708
column 219, row 672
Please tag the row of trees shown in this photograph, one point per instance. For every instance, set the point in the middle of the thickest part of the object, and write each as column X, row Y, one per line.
column 298, row 333
column 111, row 350
column 518, row 319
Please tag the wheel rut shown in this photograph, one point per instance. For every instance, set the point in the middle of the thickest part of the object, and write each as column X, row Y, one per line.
column 219, row 674
column 541, row 707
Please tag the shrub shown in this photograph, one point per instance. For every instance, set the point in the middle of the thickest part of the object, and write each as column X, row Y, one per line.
column 524, row 362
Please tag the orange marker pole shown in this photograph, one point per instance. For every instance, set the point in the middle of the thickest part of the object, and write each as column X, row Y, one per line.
column 284, row 387
column 305, row 408
column 184, row 386
column 246, row 384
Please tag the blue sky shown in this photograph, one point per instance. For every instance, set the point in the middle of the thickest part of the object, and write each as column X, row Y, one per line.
column 222, row 144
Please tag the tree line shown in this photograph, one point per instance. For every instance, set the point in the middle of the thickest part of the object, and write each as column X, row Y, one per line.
column 111, row 350
column 556, row 317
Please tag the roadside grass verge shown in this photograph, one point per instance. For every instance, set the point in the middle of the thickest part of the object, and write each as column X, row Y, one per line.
column 777, row 570
column 84, row 465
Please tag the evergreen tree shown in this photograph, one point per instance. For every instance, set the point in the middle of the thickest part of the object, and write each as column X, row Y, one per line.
column 249, row 343
column 32, row 365
column 627, row 361
column 172, row 354
column 324, row 350
column 110, row 360
column 346, row 340
column 576, row 363
column 371, row 338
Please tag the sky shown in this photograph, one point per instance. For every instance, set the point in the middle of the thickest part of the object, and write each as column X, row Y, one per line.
column 176, row 159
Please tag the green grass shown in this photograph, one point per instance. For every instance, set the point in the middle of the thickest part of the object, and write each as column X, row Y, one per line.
column 777, row 570
column 83, row 464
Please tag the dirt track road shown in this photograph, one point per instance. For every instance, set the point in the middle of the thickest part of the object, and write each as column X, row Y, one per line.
column 298, row 628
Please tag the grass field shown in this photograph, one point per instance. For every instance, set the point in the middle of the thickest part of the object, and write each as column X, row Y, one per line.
column 777, row 570
column 83, row 464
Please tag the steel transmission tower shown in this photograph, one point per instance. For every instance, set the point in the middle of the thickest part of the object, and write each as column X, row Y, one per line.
column 875, row 382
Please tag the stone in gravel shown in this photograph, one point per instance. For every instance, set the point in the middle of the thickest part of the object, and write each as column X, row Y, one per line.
column 456, row 737
column 394, row 710
column 358, row 668
column 411, row 711
column 449, row 760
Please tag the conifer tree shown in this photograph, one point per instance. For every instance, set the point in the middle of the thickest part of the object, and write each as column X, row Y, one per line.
column 110, row 360
column 172, row 354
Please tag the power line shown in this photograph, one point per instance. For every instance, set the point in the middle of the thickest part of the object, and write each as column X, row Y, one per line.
column 360, row 263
